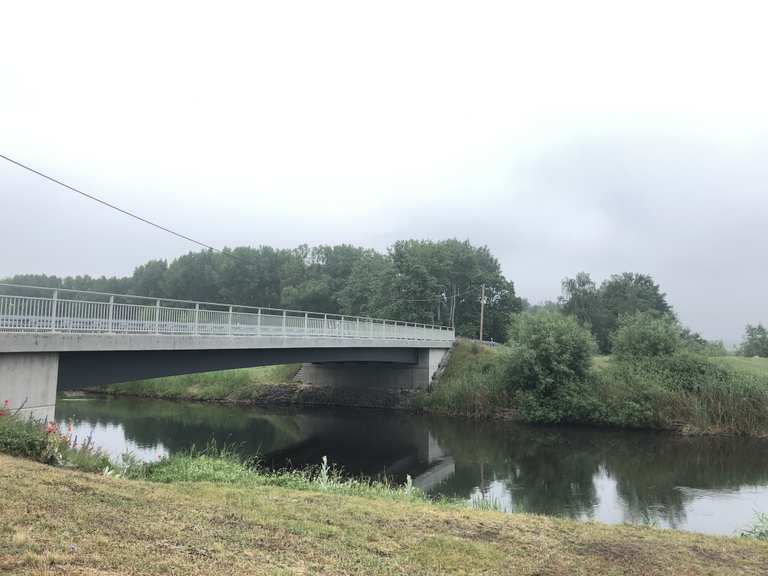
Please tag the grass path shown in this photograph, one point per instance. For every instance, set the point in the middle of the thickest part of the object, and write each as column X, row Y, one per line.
column 55, row 521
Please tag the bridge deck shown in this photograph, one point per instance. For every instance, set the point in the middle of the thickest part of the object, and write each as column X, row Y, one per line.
column 80, row 321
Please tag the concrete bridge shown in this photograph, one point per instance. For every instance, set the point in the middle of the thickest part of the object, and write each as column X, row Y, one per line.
column 56, row 339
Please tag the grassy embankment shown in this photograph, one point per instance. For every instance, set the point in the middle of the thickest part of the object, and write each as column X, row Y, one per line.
column 683, row 392
column 54, row 521
column 241, row 385
column 211, row 512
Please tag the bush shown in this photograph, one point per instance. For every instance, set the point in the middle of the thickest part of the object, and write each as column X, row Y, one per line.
column 44, row 442
column 681, row 391
column 548, row 365
column 644, row 334
column 25, row 438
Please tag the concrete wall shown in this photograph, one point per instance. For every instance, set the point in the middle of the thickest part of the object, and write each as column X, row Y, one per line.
column 29, row 380
column 377, row 375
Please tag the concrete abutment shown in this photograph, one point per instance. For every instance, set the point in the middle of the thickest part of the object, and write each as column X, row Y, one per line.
column 28, row 382
column 378, row 375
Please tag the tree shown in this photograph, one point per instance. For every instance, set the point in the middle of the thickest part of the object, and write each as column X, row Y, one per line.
column 147, row 279
column 435, row 280
column 755, row 341
column 645, row 335
column 600, row 308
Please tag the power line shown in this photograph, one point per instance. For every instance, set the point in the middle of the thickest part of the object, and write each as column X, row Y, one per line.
column 109, row 205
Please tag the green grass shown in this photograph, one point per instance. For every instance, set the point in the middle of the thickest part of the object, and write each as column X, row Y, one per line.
column 57, row 521
column 687, row 392
column 239, row 385
column 759, row 530
column 756, row 366
column 471, row 385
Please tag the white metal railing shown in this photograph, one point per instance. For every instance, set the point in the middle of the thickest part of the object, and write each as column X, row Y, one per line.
column 25, row 309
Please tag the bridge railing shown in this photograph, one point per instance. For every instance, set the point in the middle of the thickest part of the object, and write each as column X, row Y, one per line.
column 25, row 309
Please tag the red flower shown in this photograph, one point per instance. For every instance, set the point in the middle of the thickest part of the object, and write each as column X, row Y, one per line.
column 2, row 413
column 51, row 428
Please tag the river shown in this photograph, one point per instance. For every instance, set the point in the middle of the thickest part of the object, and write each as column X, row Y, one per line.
column 702, row 484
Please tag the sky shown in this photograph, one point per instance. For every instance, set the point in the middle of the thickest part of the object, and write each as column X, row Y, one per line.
column 604, row 136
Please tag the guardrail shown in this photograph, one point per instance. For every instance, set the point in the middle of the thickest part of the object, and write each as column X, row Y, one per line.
column 83, row 312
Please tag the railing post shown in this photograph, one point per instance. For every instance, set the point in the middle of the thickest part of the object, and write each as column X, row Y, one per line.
column 258, row 322
column 197, row 315
column 325, row 324
column 284, row 313
column 357, row 327
column 370, row 326
column 306, row 324
column 53, row 310
column 341, row 327
column 157, row 317
column 229, row 322
column 110, row 328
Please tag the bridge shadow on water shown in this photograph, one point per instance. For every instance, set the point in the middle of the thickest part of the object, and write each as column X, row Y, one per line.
column 700, row 483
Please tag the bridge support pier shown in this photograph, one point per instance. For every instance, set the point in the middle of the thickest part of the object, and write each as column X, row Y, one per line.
column 377, row 375
column 28, row 381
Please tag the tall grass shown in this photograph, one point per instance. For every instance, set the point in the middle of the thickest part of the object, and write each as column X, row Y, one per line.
column 224, row 465
column 45, row 442
column 224, row 385
column 472, row 384
column 684, row 391
column 758, row 530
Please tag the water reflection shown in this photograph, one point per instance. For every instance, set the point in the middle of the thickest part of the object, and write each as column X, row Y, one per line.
column 704, row 484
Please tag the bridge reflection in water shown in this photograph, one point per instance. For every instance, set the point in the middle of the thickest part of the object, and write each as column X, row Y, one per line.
column 704, row 484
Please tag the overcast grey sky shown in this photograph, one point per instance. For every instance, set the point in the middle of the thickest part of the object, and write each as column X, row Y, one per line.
column 601, row 136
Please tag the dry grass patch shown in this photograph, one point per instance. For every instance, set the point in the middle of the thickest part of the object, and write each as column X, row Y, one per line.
column 63, row 522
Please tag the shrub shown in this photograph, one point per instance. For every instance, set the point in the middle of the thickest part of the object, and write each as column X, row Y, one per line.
column 548, row 365
column 759, row 530
column 25, row 438
column 46, row 443
column 644, row 334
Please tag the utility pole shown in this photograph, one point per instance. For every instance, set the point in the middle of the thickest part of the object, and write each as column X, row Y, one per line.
column 453, row 308
column 482, row 310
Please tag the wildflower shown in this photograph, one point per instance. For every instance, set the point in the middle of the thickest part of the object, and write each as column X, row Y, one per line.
column 6, row 403
column 2, row 413
column 51, row 427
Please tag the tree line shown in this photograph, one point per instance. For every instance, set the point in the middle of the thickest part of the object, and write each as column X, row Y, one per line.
column 414, row 281
column 435, row 282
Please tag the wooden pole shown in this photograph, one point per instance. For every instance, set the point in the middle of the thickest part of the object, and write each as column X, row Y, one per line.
column 482, row 310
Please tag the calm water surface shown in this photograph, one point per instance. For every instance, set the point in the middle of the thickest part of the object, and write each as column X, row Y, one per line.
column 712, row 485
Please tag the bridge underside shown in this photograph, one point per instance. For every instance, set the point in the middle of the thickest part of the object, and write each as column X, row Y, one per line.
column 85, row 369
column 31, row 380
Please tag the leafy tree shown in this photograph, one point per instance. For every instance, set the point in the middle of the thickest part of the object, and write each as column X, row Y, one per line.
column 195, row 276
column 755, row 341
column 600, row 308
column 694, row 342
column 148, row 279
column 644, row 335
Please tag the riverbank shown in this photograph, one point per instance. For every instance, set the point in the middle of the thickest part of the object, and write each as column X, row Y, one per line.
column 682, row 392
column 60, row 520
column 237, row 386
